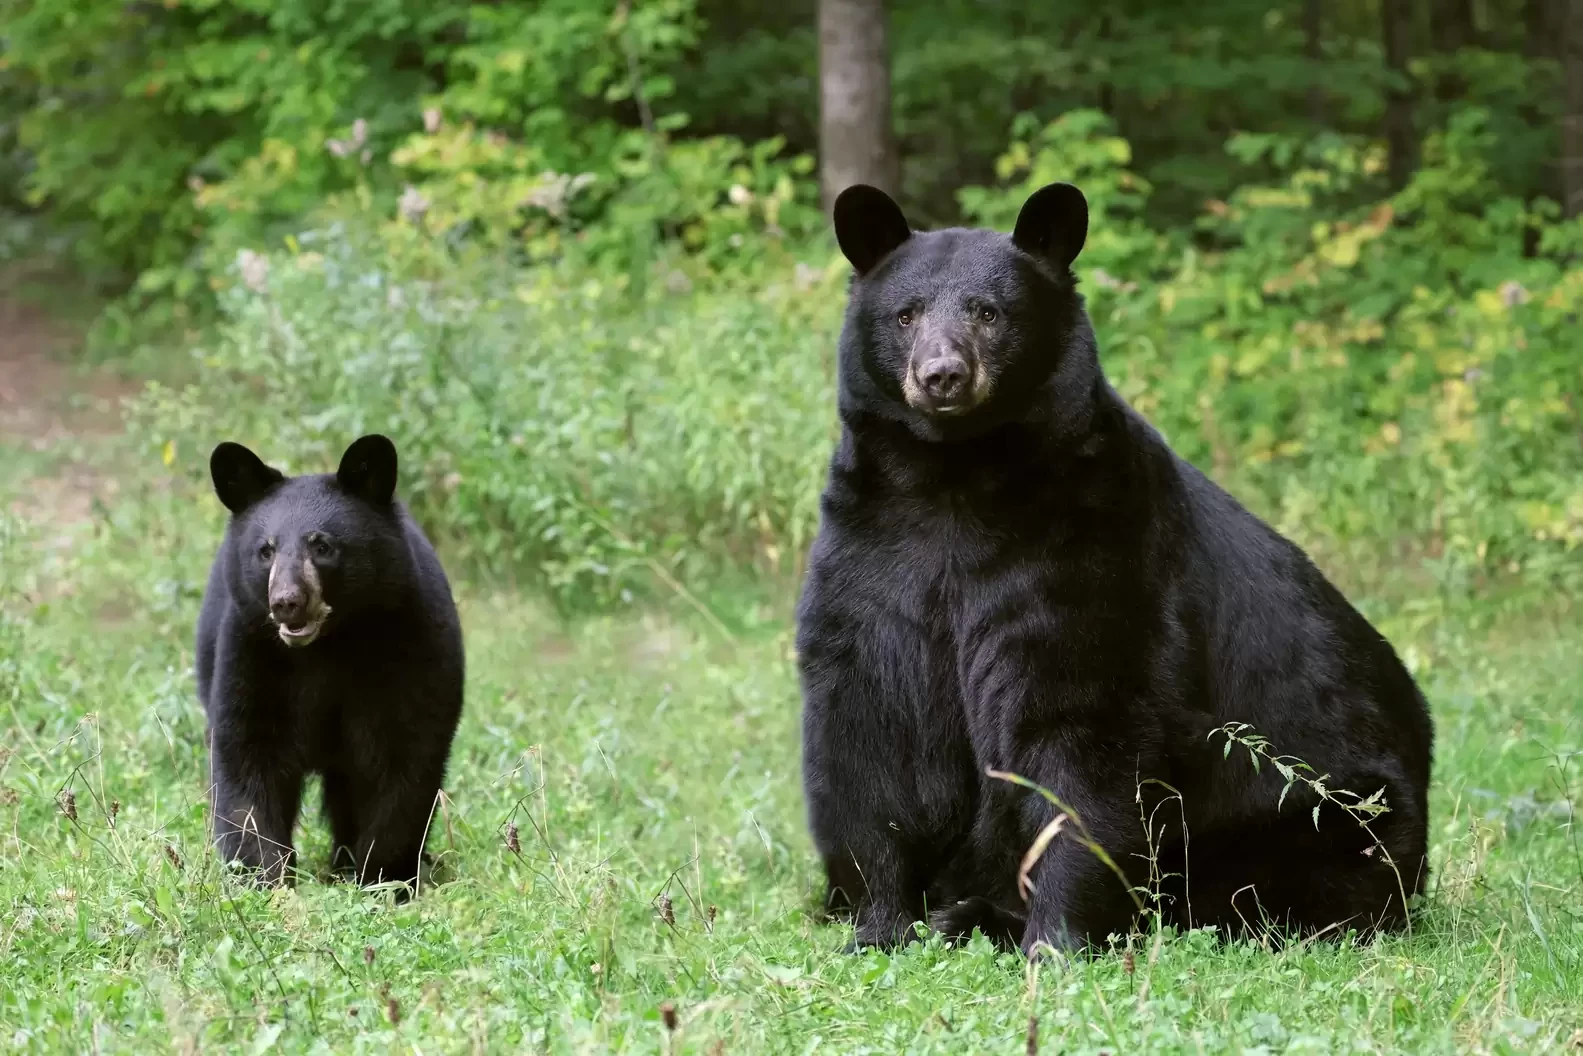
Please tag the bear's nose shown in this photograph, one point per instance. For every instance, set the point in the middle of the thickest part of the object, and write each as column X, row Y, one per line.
column 289, row 609
column 944, row 378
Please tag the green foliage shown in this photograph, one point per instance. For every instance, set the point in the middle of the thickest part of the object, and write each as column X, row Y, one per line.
column 1390, row 381
column 1081, row 148
column 1176, row 79
column 552, row 423
column 196, row 124
column 721, row 201
column 162, row 137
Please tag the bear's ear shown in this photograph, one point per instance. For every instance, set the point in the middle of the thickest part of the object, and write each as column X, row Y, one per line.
column 1053, row 224
column 240, row 477
column 368, row 469
column 868, row 225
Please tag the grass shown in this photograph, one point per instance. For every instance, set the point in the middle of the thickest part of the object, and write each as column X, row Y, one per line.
column 623, row 836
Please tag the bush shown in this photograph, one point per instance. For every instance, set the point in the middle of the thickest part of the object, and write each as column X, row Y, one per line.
column 200, row 128
column 558, row 423
column 1395, row 379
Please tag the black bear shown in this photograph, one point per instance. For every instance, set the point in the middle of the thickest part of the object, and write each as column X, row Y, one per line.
column 1015, row 573
column 327, row 642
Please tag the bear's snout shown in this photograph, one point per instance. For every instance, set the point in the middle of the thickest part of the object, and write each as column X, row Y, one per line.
column 944, row 378
column 289, row 608
column 296, row 599
column 944, row 373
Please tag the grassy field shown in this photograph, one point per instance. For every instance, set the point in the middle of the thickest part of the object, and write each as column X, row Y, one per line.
column 622, row 861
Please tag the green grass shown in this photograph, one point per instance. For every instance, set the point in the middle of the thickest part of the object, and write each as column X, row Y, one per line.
column 646, row 757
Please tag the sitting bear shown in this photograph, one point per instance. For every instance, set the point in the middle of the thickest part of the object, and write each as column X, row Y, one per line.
column 327, row 642
column 1015, row 574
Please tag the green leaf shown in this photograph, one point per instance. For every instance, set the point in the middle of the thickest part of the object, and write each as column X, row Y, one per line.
column 876, row 969
column 265, row 1039
column 782, row 974
column 166, row 901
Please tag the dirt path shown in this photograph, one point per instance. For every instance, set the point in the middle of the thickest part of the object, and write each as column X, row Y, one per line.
column 47, row 409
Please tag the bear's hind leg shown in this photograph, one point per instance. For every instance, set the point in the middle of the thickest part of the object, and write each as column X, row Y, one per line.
column 1279, row 885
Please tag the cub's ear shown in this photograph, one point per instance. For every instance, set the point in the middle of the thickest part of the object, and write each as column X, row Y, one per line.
column 240, row 477
column 868, row 226
column 368, row 469
column 1053, row 224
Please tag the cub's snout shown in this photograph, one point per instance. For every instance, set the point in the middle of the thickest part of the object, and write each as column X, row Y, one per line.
column 296, row 597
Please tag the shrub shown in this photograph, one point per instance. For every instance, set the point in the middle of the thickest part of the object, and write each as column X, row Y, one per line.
column 1393, row 378
column 560, row 424
column 200, row 128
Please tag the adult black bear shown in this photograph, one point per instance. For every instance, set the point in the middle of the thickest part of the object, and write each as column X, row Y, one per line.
column 328, row 642
column 1014, row 572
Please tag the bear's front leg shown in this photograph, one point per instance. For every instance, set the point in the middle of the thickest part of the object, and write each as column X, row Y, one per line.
column 1083, row 886
column 256, row 765
column 887, row 772
column 871, row 873
column 1077, row 899
column 865, row 859
column 867, row 866
column 256, row 799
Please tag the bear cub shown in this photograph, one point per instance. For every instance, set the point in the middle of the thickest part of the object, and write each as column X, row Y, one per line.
column 328, row 643
column 1014, row 573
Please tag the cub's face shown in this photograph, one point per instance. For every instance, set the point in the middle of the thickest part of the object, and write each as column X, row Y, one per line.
column 946, row 325
column 307, row 550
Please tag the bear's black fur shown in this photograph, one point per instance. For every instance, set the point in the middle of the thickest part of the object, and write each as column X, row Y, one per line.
column 1015, row 573
column 328, row 642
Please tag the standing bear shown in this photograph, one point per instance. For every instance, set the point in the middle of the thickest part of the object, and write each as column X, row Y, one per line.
column 1014, row 573
column 327, row 643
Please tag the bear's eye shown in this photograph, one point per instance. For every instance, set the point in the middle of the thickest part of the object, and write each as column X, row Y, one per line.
column 266, row 552
column 320, row 548
column 904, row 317
column 988, row 314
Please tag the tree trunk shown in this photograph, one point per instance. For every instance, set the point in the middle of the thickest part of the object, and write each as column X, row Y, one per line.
column 1540, row 29
column 1572, row 118
column 1314, row 51
column 1395, row 26
column 854, row 99
column 1451, row 28
column 1542, row 41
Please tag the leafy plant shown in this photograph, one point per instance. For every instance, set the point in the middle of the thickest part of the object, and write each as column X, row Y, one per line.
column 549, row 422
